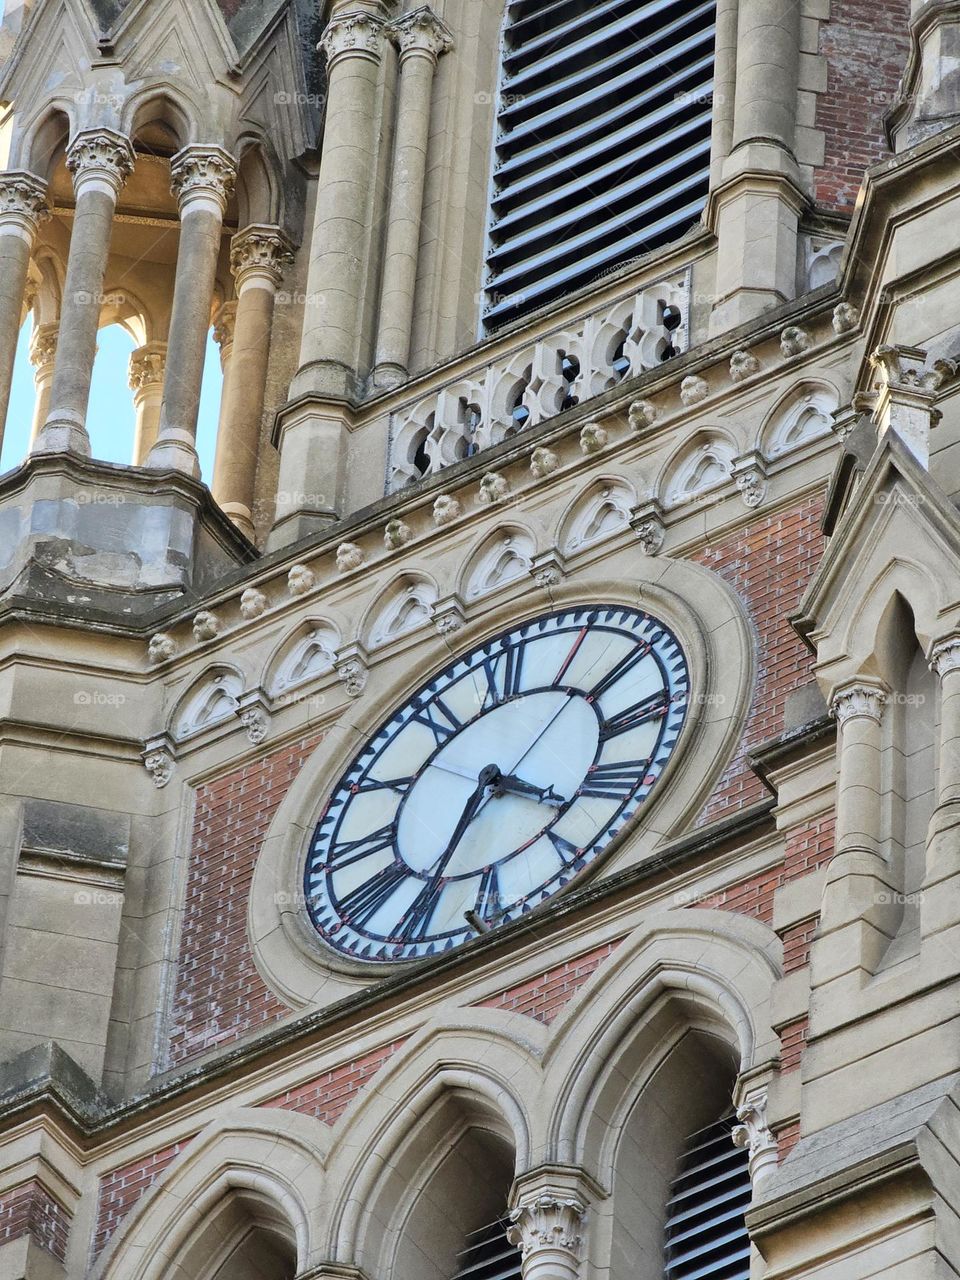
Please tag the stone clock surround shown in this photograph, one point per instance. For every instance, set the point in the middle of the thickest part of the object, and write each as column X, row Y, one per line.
column 711, row 627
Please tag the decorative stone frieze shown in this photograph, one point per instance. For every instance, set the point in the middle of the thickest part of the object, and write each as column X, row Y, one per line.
column 161, row 648
column 543, row 462
column 753, row 1135
column 794, row 341
column 253, row 604
column 593, row 438
column 300, row 580
column 202, row 173
column 100, row 156
column 353, row 35
column 206, row 626
column 693, row 390
column 845, row 317
column 493, row 488
column 446, row 509
column 907, row 390
column 396, row 535
column 743, row 365
column 642, row 414
column 23, row 202
column 858, row 699
column 421, row 32
column 349, row 556
column 259, row 250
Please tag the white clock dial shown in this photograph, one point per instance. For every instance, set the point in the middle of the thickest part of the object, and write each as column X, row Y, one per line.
column 497, row 783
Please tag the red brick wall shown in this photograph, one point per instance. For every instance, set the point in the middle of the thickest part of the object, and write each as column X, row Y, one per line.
column 219, row 993
column 792, row 1039
column 796, row 944
column 121, row 1190
column 865, row 44
column 30, row 1210
column 787, row 1139
column 545, row 995
column 752, row 897
column 769, row 564
column 328, row 1096
column 810, row 847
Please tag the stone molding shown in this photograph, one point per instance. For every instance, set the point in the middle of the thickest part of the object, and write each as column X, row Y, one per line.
column 23, row 200
column 858, row 701
column 906, row 392
column 945, row 655
column 359, row 35
column 259, row 249
column 100, row 155
column 421, row 32
column 202, row 173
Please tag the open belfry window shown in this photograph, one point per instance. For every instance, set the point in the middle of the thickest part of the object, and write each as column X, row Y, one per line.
column 706, row 1235
column 603, row 142
column 489, row 1255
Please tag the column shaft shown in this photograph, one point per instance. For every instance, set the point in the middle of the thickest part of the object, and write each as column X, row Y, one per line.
column 22, row 204
column 257, row 256
column 939, row 902
column 421, row 38
column 100, row 161
column 147, row 365
column 768, row 62
column 202, row 181
column 329, row 350
column 43, row 353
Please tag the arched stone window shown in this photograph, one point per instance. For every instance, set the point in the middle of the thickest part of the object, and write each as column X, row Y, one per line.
column 705, row 1232
column 603, row 141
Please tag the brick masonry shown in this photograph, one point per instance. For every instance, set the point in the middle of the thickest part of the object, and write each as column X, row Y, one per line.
column 768, row 563
column 328, row 1096
column 30, row 1210
column 121, row 1190
column 219, row 994
column 545, row 995
column 865, row 44
column 793, row 1037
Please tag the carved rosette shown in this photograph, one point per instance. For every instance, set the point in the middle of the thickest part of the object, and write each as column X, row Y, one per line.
column 421, row 33
column 43, row 347
column 256, row 722
column 945, row 656
column 357, row 35
column 253, row 604
column 549, row 1230
column 753, row 1135
column 259, row 250
column 159, row 765
column 147, row 365
column 858, row 701
column 352, row 673
column 100, row 155
column 202, row 173
column 23, row 201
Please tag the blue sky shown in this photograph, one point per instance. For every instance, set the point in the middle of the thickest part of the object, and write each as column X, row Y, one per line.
column 111, row 418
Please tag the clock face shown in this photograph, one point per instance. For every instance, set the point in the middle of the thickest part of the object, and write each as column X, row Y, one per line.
column 496, row 783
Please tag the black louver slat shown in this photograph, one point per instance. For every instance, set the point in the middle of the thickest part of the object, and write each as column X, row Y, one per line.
column 603, row 144
column 489, row 1255
column 706, row 1237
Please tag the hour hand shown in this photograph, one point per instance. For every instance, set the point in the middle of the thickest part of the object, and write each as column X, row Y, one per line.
column 510, row 782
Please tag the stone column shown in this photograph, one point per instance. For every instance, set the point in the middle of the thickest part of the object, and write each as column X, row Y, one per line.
column 203, row 178
column 930, row 89
column 548, row 1218
column 353, row 44
column 256, row 258
column 421, row 38
column 43, row 354
column 940, row 905
column 861, row 908
column 147, row 365
column 752, row 1134
column 906, row 393
column 755, row 210
column 22, row 205
column 100, row 161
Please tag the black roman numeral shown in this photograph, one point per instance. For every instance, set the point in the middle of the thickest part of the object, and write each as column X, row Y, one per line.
column 622, row 668
column 614, row 781
column 362, row 903
column 488, row 895
column 566, row 849
column 653, row 707
column 504, row 676
column 439, row 719
column 400, row 785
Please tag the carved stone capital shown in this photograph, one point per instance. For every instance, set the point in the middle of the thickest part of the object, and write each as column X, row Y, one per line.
column 753, row 1135
column 421, row 32
column 858, row 701
column 43, row 346
column 945, row 655
column 202, row 173
column 357, row 35
column 906, row 391
column 23, row 202
column 224, row 327
column 259, row 250
column 102, row 157
column 147, row 365
column 549, row 1231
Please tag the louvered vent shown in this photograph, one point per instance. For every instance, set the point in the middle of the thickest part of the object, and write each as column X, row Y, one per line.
column 489, row 1255
column 603, row 146
column 706, row 1238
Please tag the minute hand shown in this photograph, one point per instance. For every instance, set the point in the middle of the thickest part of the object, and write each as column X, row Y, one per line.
column 510, row 782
